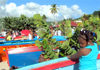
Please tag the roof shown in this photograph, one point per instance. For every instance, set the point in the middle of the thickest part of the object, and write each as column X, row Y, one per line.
column 78, row 21
column 74, row 24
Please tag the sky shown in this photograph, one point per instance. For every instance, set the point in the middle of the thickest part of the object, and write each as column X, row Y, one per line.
column 66, row 8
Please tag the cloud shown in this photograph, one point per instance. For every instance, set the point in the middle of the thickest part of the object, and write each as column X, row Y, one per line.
column 3, row 2
column 2, row 8
column 31, row 8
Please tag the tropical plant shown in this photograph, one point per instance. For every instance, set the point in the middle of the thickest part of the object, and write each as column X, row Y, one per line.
column 22, row 22
column 48, row 45
column 93, row 24
column 10, row 23
column 51, row 47
column 1, row 24
column 73, row 40
column 66, row 49
column 65, row 27
column 96, row 13
column 38, row 21
column 53, row 10
column 80, row 24
column 15, row 23
column 44, row 17
column 85, row 17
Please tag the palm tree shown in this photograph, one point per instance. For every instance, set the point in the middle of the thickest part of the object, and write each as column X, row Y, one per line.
column 54, row 9
column 44, row 17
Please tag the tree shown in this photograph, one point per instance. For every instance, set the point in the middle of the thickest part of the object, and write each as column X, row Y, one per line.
column 11, row 23
column 44, row 17
column 23, row 20
column 96, row 13
column 54, row 9
column 31, row 23
column 1, row 24
column 38, row 21
column 85, row 17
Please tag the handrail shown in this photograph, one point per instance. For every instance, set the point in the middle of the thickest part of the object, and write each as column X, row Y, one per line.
column 52, row 64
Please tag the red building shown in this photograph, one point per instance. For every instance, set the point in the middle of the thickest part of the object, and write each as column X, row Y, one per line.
column 73, row 24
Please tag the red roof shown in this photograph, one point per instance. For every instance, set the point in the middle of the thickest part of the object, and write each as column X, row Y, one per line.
column 73, row 23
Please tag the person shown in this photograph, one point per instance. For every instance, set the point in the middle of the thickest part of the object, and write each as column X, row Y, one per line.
column 52, row 31
column 16, row 33
column 8, row 36
column 88, row 52
column 30, row 36
column 3, row 33
column 73, row 31
column 13, row 35
column 59, row 32
column 13, row 67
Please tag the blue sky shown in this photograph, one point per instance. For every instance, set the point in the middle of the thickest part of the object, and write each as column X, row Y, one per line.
column 87, row 6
